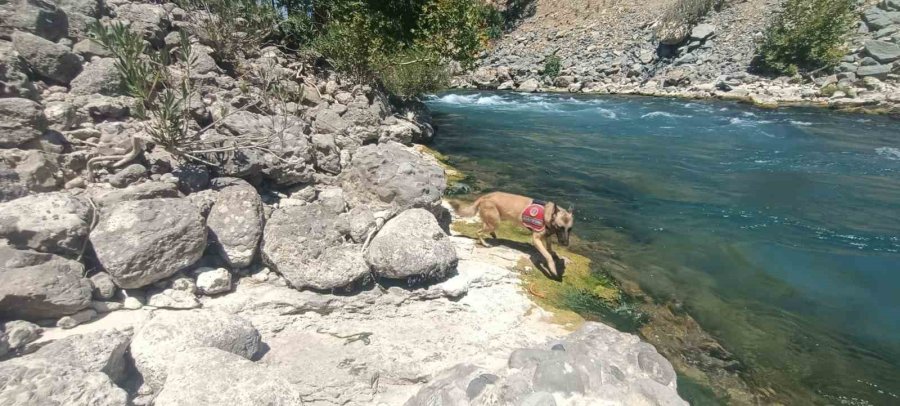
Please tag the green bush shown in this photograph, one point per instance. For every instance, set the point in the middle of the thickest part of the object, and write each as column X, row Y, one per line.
column 807, row 35
column 552, row 66
column 412, row 72
column 231, row 27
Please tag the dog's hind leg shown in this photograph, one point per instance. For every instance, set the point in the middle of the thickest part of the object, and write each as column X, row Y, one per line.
column 490, row 216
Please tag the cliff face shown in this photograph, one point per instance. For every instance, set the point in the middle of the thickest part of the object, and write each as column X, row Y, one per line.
column 621, row 47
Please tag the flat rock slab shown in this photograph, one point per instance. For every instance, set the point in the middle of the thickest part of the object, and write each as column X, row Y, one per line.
column 55, row 222
column 37, row 286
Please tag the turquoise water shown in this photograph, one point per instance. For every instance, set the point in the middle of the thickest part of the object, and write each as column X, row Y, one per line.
column 779, row 231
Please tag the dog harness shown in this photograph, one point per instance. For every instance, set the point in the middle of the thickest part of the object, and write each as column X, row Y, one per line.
column 533, row 216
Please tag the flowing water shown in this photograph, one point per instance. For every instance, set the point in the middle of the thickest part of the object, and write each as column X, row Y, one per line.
column 779, row 231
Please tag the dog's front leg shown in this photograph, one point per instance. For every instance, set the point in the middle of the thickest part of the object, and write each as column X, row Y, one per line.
column 538, row 242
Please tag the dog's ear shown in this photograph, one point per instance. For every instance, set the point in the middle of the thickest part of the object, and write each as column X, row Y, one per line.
column 572, row 208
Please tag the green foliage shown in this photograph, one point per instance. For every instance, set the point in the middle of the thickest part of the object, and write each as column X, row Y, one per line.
column 231, row 27
column 139, row 68
column 807, row 35
column 453, row 28
column 689, row 12
column 412, row 72
column 495, row 22
column 552, row 66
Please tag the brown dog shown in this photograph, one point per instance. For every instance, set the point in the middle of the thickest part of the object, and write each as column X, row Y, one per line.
column 542, row 218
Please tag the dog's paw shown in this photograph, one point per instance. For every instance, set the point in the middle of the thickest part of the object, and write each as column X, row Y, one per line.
column 566, row 260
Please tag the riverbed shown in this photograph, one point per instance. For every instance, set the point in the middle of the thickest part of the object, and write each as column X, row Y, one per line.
column 777, row 230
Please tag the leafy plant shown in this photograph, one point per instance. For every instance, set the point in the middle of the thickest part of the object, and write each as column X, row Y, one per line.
column 231, row 27
column 552, row 66
column 807, row 35
column 689, row 12
column 413, row 72
column 138, row 68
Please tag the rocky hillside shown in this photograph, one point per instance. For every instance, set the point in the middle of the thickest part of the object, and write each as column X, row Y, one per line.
column 619, row 47
column 289, row 249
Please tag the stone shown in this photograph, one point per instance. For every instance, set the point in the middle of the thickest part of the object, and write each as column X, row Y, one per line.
column 37, row 286
column 236, row 223
column 105, row 307
column 21, row 121
column 101, row 351
column 14, row 81
column 646, row 56
column 56, row 223
column 412, row 244
column 128, row 175
column 100, row 76
column 26, row 172
column 305, row 245
column 143, row 191
column 209, row 376
column 40, row 381
column 508, row 85
column 143, row 241
column 529, row 86
column 42, row 19
column 89, row 48
column 702, row 32
column 393, row 175
column 876, row 18
column 878, row 71
column 212, row 281
column 163, row 340
column 564, row 81
column 132, row 303
column 329, row 122
column 450, row 387
column 81, row 317
column 191, row 177
column 672, row 32
column 4, row 344
column 149, row 20
column 401, row 131
column 882, row 51
column 172, row 299
column 20, row 333
column 51, row 61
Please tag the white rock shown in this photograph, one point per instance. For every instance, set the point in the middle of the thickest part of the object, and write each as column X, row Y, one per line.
column 213, row 281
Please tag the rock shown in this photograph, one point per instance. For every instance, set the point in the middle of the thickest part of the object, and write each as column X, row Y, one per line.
column 89, row 48
column 329, row 122
column 210, row 376
column 163, row 340
column 212, row 281
column 191, row 177
column 39, row 381
column 172, row 299
column 646, row 56
column 128, row 175
column 106, row 307
column 412, row 245
column 236, row 222
column 143, row 191
column 401, row 131
column 100, row 76
column 529, row 86
column 877, row 19
column 14, row 81
column 55, row 222
column 149, row 20
column 83, row 316
column 101, row 351
column 20, row 332
column 882, row 51
column 304, row 244
column 141, row 242
column 51, row 61
column 38, row 18
column 672, row 32
column 702, row 32
column 4, row 344
column 393, row 175
column 452, row 387
column 26, row 172
column 508, row 85
column 21, row 121
column 38, row 286
column 878, row 71
column 132, row 303
column 564, row 81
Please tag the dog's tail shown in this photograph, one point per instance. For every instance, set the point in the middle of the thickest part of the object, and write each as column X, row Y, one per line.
column 470, row 210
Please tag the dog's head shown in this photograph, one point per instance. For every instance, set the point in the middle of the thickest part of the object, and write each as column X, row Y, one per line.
column 561, row 222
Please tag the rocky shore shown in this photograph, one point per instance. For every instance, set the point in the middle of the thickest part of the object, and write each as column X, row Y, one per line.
column 315, row 269
column 622, row 50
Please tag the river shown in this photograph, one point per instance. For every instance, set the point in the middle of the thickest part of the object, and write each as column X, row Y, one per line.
column 778, row 230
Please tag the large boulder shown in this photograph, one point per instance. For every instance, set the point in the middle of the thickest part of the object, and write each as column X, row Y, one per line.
column 529, row 86
column 143, row 241
column 100, row 76
column 166, row 337
column 14, row 82
column 49, row 60
column 54, row 222
column 597, row 365
column 702, row 32
column 100, row 351
column 149, row 20
column 37, row 17
column 21, row 121
column 143, row 191
column 45, row 382
column 210, row 377
column 394, row 175
column 38, row 286
column 305, row 244
column 23, row 172
column 412, row 245
column 236, row 223
column 883, row 51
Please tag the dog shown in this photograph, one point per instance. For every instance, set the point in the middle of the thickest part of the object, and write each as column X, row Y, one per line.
column 543, row 219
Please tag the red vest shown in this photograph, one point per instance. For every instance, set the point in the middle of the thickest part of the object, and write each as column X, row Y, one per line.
column 533, row 217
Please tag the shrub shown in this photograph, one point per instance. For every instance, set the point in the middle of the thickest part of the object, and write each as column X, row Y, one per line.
column 412, row 72
column 689, row 12
column 552, row 66
column 231, row 27
column 807, row 35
